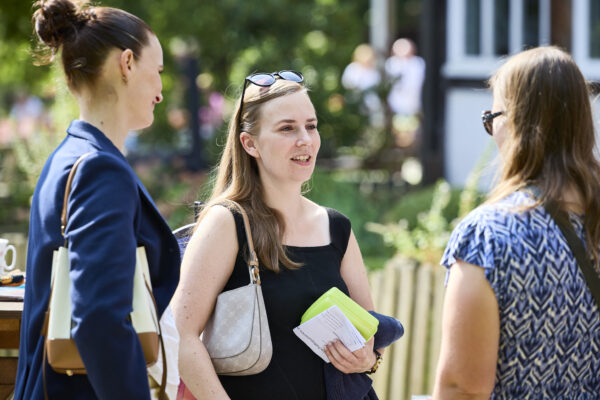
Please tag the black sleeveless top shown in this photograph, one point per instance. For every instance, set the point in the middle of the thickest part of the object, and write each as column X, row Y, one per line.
column 295, row 371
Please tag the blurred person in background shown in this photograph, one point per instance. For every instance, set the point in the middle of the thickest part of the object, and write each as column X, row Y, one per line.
column 28, row 113
column 362, row 78
column 405, row 71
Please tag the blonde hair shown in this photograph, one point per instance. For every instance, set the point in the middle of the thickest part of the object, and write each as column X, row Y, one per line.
column 238, row 178
column 364, row 55
column 550, row 132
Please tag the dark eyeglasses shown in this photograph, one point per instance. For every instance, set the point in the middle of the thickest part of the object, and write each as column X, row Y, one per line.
column 265, row 80
column 487, row 117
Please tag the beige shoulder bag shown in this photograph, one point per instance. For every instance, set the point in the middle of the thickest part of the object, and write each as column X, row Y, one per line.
column 59, row 347
column 237, row 335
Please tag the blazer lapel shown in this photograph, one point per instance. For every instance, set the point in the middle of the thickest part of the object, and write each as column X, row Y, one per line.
column 93, row 135
column 146, row 197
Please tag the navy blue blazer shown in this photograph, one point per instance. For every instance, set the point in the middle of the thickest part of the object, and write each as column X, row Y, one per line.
column 110, row 214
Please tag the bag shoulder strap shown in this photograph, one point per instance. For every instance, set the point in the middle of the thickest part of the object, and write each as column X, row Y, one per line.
column 575, row 244
column 63, row 214
column 253, row 259
column 63, row 225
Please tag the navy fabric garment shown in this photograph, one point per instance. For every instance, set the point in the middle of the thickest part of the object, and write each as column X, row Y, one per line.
column 388, row 331
column 110, row 215
column 340, row 386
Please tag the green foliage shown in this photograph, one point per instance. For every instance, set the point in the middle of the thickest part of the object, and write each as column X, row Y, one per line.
column 22, row 163
column 424, row 238
column 16, row 69
column 425, row 241
column 337, row 190
column 31, row 154
column 411, row 205
column 229, row 38
column 232, row 39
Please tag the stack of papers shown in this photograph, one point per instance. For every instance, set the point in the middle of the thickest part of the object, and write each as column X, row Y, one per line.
column 326, row 327
column 12, row 293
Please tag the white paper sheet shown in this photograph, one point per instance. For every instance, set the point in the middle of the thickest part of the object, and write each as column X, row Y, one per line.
column 12, row 293
column 326, row 327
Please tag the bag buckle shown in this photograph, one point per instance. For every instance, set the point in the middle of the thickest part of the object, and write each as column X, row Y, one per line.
column 254, row 275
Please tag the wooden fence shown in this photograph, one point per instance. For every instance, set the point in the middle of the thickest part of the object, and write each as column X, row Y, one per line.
column 414, row 295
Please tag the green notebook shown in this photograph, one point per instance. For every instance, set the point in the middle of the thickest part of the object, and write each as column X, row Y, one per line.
column 364, row 322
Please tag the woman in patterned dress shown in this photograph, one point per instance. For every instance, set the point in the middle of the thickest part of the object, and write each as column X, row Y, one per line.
column 519, row 320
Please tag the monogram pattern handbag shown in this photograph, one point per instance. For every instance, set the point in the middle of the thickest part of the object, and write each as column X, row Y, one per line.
column 237, row 335
column 59, row 347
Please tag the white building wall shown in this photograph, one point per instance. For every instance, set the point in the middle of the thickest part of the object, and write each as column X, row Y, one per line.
column 465, row 139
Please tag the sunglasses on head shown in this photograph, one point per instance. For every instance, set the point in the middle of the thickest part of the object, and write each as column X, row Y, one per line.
column 264, row 79
column 487, row 117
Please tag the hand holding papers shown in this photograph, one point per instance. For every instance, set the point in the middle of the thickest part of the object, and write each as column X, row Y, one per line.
column 335, row 316
column 326, row 327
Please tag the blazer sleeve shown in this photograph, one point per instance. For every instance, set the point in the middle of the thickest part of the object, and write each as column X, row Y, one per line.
column 101, row 231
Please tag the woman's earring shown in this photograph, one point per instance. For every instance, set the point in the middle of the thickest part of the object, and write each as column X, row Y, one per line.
column 124, row 79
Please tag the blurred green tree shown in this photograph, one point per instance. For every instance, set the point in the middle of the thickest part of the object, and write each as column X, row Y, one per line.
column 233, row 38
column 230, row 39
column 17, row 71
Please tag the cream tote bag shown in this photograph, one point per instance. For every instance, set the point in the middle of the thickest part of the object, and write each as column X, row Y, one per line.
column 62, row 352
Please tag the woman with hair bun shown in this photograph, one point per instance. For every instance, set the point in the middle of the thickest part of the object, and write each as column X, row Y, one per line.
column 112, row 63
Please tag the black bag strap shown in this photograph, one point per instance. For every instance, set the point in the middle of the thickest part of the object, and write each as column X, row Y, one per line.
column 576, row 245
column 253, row 268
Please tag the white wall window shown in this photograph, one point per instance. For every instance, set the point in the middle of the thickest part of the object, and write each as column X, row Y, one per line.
column 472, row 35
column 531, row 23
column 501, row 19
column 594, row 33
column 480, row 32
column 586, row 36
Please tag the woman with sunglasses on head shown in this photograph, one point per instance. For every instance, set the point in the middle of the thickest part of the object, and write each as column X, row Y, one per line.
column 304, row 249
column 112, row 62
column 520, row 318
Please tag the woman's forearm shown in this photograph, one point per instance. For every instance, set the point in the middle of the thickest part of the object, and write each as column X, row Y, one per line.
column 197, row 372
column 454, row 392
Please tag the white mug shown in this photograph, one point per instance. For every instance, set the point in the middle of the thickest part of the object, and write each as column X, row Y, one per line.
column 4, row 249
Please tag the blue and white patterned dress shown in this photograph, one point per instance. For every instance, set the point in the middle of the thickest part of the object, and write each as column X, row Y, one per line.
column 549, row 323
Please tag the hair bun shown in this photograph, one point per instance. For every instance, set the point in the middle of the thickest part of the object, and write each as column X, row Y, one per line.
column 57, row 20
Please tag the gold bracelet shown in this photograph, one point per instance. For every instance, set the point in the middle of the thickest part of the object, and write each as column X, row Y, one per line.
column 378, row 359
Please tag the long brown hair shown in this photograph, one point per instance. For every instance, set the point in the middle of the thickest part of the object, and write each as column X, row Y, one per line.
column 550, row 132
column 238, row 177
